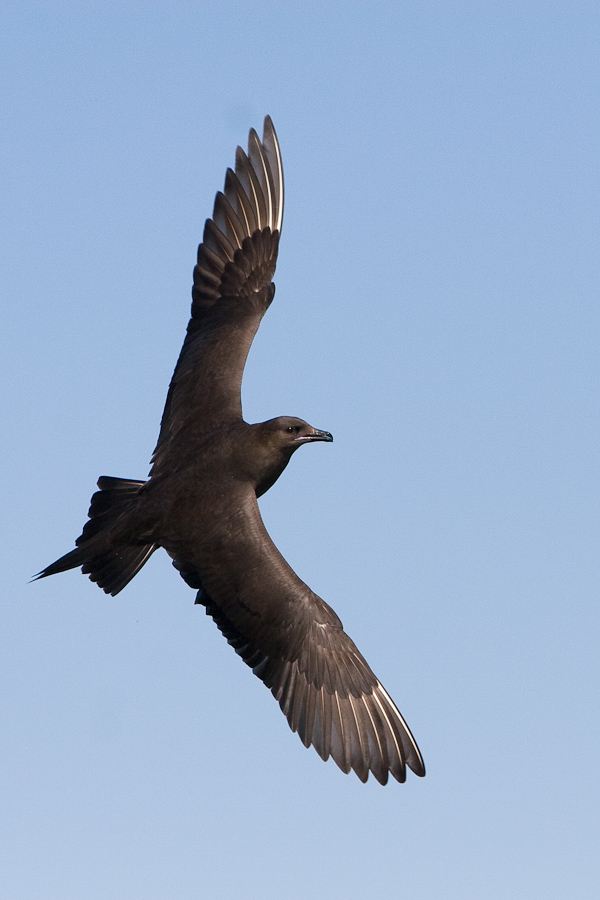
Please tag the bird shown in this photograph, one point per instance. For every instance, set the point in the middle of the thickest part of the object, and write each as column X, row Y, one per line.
column 207, row 472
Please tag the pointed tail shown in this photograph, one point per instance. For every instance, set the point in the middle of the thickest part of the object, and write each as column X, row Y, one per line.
column 110, row 566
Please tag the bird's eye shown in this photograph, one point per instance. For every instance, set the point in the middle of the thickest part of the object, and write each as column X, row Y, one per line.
column 290, row 429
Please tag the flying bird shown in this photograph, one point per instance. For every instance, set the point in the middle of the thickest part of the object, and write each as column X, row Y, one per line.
column 200, row 501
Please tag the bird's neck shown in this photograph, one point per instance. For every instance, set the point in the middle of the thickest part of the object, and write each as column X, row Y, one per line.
column 264, row 462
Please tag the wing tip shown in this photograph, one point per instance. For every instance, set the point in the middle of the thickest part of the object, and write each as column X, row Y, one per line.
column 365, row 734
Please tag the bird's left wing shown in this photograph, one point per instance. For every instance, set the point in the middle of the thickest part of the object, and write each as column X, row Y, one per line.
column 295, row 643
column 232, row 290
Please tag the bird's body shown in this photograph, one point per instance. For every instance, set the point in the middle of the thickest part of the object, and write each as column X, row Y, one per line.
column 200, row 502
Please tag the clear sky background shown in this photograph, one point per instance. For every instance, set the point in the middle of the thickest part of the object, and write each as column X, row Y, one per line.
column 437, row 310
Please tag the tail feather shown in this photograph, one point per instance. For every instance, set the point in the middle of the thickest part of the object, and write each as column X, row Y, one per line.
column 111, row 567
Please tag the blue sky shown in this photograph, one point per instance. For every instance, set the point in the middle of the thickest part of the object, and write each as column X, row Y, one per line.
column 437, row 310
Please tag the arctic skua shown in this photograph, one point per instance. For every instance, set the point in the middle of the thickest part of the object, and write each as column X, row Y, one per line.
column 200, row 501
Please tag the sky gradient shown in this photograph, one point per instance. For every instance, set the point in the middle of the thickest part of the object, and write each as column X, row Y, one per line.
column 437, row 311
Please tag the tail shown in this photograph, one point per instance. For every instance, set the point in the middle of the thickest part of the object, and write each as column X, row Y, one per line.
column 110, row 566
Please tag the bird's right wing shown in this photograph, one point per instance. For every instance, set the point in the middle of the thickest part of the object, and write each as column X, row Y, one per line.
column 330, row 696
column 295, row 643
column 232, row 290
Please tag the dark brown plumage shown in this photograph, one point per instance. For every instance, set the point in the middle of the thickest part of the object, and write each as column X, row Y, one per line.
column 200, row 502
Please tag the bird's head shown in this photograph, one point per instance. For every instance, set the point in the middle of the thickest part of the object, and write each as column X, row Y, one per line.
column 289, row 433
column 277, row 439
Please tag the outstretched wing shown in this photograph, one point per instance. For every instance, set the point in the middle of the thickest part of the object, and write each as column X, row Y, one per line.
column 232, row 290
column 295, row 643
